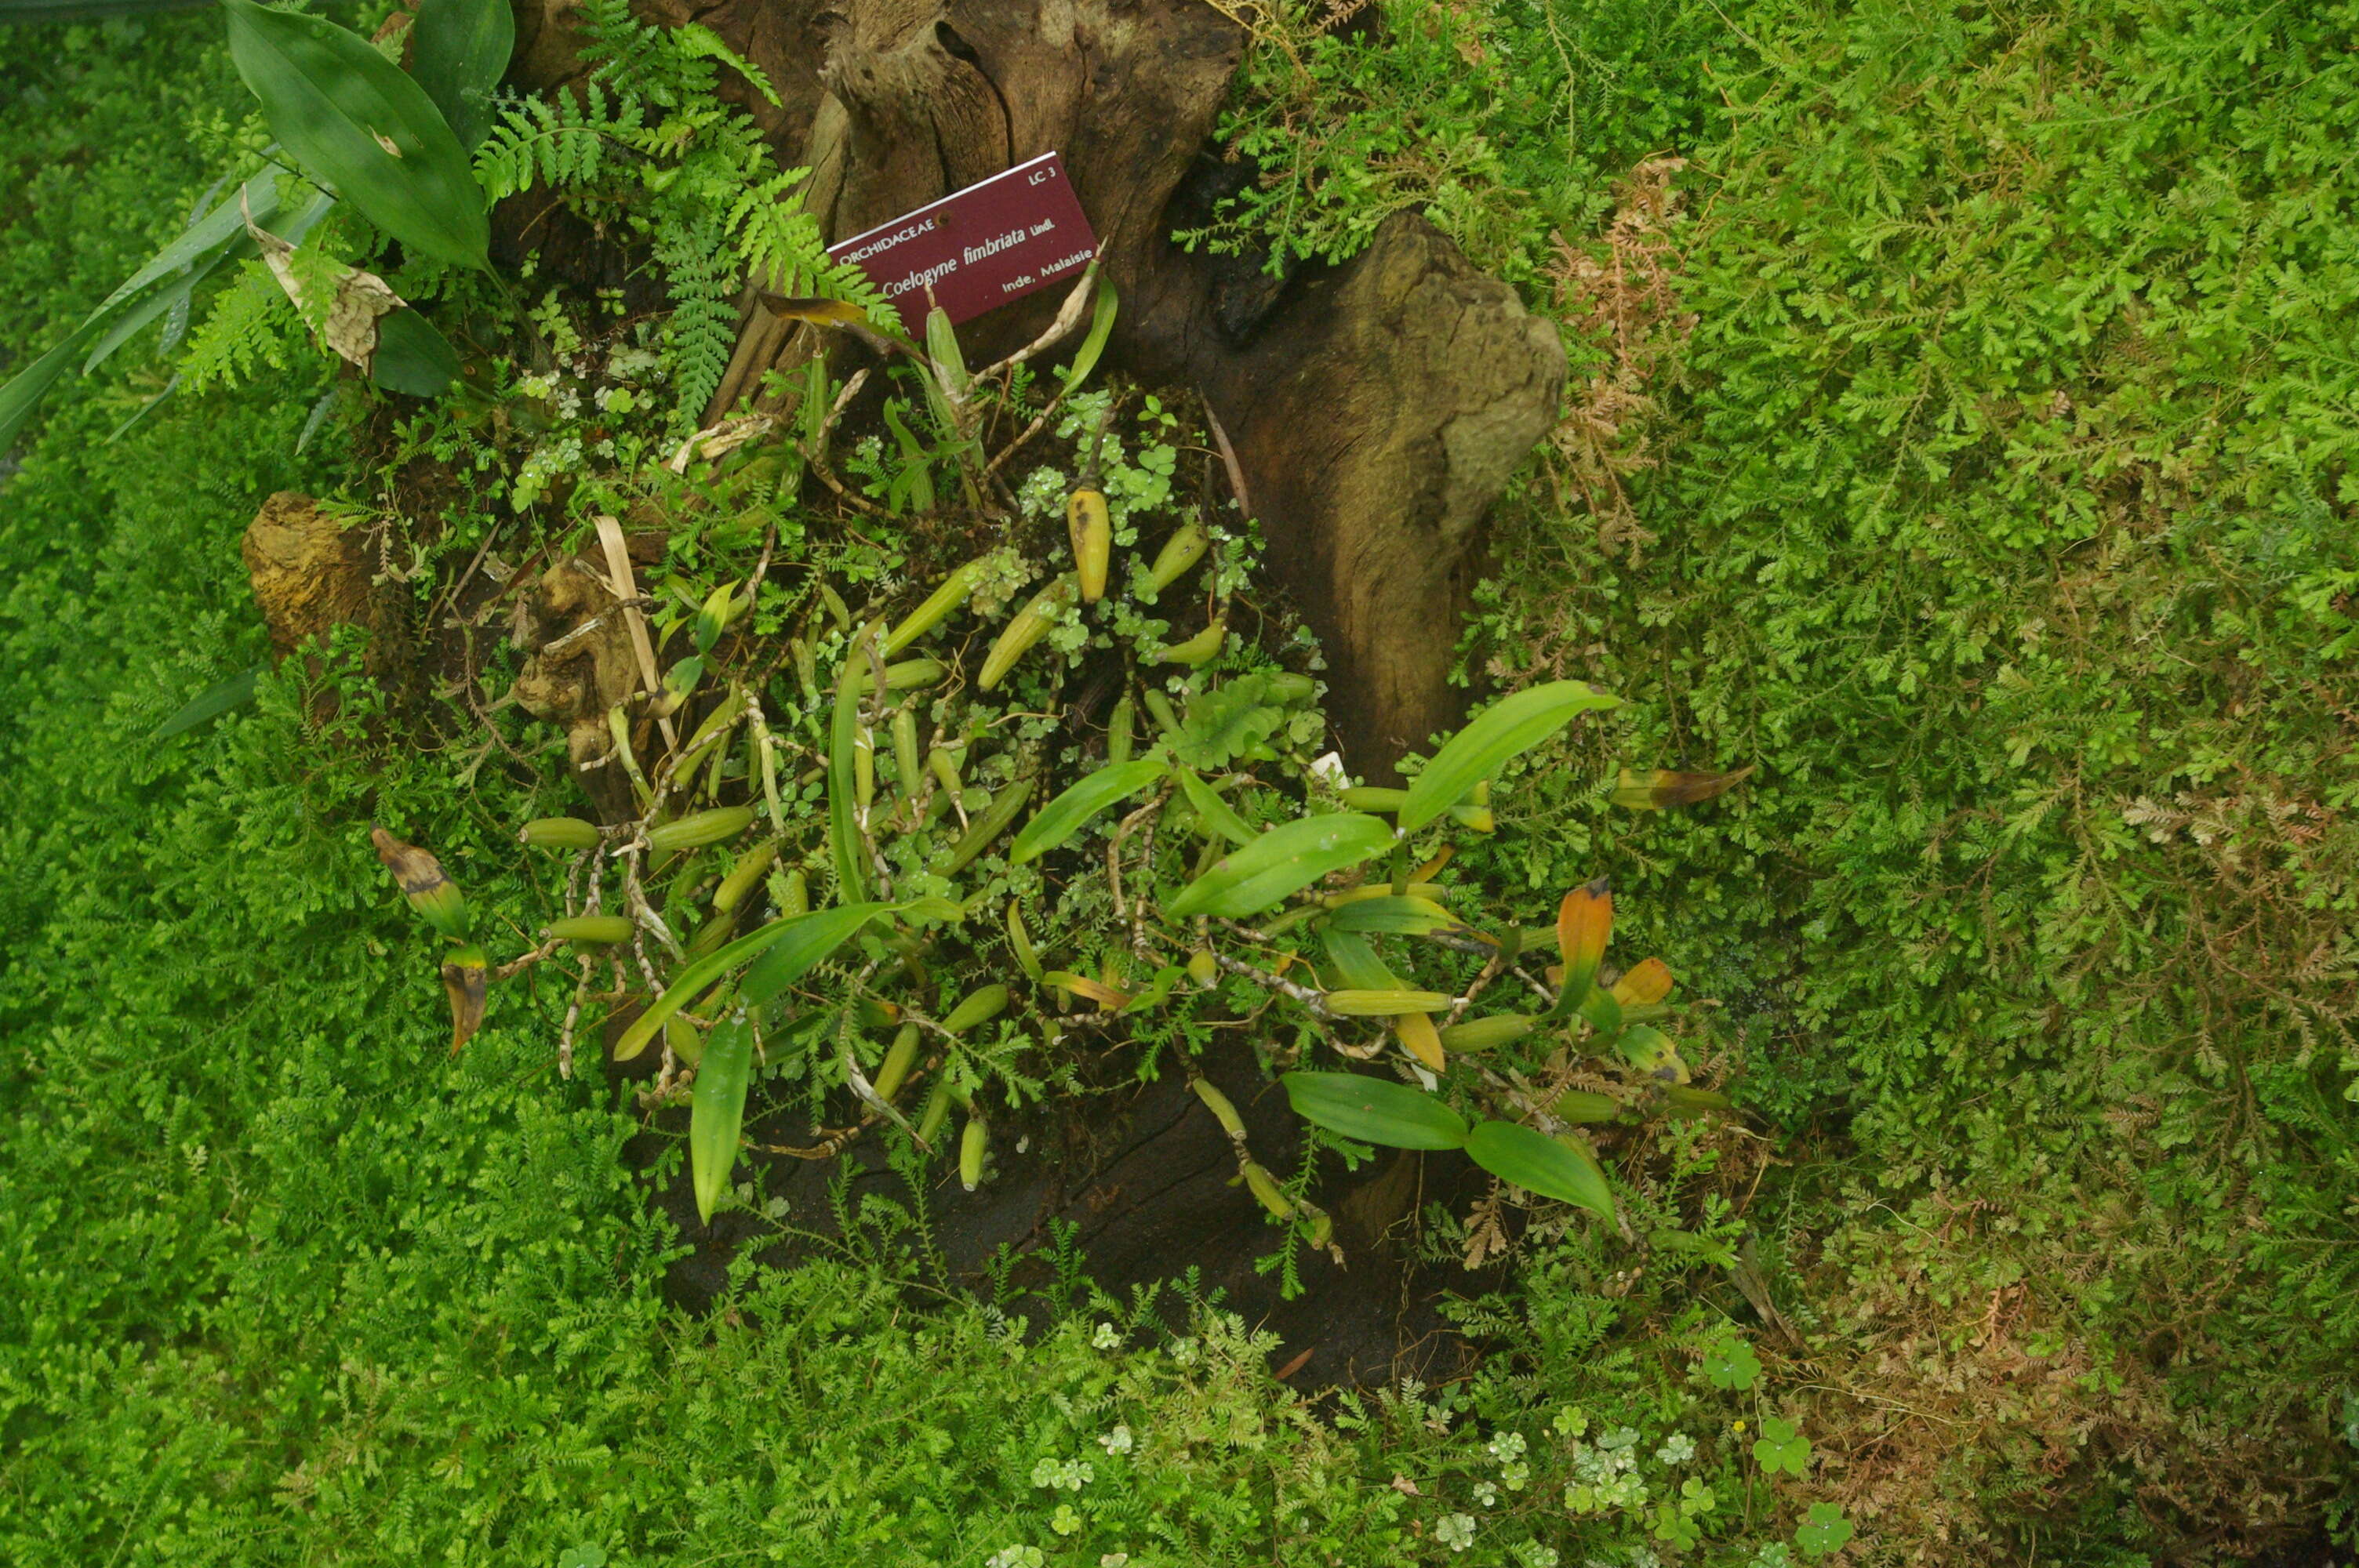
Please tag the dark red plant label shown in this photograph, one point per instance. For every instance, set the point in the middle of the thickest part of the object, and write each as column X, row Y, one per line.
column 979, row 248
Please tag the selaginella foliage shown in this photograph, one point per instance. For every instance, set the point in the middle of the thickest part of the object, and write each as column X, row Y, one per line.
column 1999, row 389
column 293, row 1282
column 2003, row 521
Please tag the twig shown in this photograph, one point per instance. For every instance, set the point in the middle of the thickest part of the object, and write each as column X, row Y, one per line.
column 1069, row 316
column 1114, row 846
column 1308, row 999
column 624, row 586
column 510, row 970
column 573, row 1022
column 761, row 566
column 1539, row 990
column 1229, row 458
column 1039, row 422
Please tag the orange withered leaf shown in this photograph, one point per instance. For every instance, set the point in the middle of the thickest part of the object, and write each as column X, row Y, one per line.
column 1647, row 983
column 432, row 894
column 466, row 976
column 1661, row 788
column 1420, row 1039
column 1583, row 924
column 820, row 312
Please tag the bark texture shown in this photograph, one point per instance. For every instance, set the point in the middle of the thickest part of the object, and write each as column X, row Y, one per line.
column 1376, row 407
column 312, row 572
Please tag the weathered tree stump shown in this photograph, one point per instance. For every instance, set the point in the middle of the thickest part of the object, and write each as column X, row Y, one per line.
column 1376, row 407
column 312, row 572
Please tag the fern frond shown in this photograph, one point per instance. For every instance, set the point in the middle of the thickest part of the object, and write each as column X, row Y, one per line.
column 556, row 143
column 696, row 263
column 251, row 324
column 780, row 243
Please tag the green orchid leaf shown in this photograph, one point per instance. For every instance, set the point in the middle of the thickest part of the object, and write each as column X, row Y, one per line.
column 717, row 1110
column 1399, row 916
column 843, row 836
column 824, row 931
column 1280, row 863
column 1085, row 358
column 1214, row 812
column 459, row 50
column 1357, row 968
column 1506, row 729
column 1552, row 1167
column 361, row 127
column 411, row 356
column 210, row 703
column 1373, row 1110
column 1070, row 812
column 237, row 246
column 28, row 386
column 810, row 940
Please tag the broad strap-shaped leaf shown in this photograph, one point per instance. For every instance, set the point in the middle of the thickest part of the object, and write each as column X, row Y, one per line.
column 845, row 840
column 138, row 313
column 1399, row 916
column 1539, row 1163
column 1506, row 729
column 1085, row 358
column 1583, row 922
column 25, row 390
column 1281, row 863
column 358, row 124
column 210, row 703
column 411, row 356
column 1357, row 966
column 817, row 936
column 458, row 51
column 1070, row 812
column 219, row 228
column 1646, row 983
column 1218, row 816
column 1371, row 1110
column 717, row 1110
column 1653, row 1053
column 194, row 253
column 809, row 941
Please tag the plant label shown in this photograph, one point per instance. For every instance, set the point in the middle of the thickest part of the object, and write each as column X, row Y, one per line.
column 979, row 248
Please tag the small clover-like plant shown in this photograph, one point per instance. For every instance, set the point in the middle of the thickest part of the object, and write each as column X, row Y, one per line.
column 1731, row 1365
column 1781, row 1446
column 1825, row 1531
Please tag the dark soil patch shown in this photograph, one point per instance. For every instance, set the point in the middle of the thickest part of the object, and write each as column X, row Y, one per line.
column 1146, row 1178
